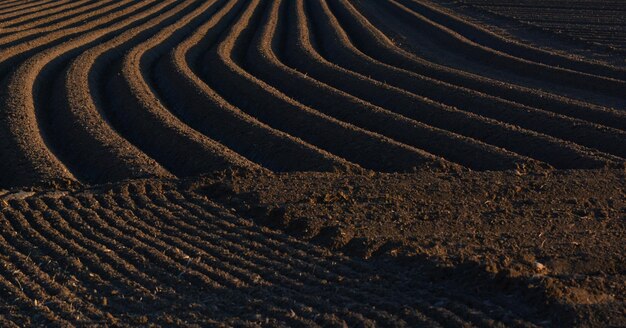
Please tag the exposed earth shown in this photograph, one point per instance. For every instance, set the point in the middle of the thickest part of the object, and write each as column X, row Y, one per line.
column 430, row 163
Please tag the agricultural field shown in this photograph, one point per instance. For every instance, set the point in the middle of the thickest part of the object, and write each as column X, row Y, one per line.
column 600, row 23
column 410, row 163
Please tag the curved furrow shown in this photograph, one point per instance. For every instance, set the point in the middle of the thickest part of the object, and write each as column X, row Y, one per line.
column 591, row 24
column 23, row 20
column 254, row 234
column 130, row 248
column 264, row 261
column 114, row 14
column 53, row 22
column 262, row 60
column 268, row 104
column 163, row 249
column 76, row 128
column 71, row 236
column 28, row 161
column 456, row 42
column 7, row 5
column 194, row 205
column 84, row 264
column 32, row 289
column 372, row 41
column 262, row 242
column 168, row 143
column 28, row 258
column 20, row 44
column 194, row 102
column 158, row 238
column 196, row 226
column 226, row 263
column 55, row 296
column 98, row 260
column 10, row 3
column 491, row 40
column 8, row 18
column 288, row 281
column 302, row 55
column 146, row 239
column 139, row 111
column 238, row 259
column 422, row 43
column 240, row 256
column 68, row 267
column 22, row 300
column 24, row 6
column 339, row 49
column 95, row 233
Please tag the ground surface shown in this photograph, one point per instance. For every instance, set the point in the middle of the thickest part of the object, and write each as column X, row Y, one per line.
column 309, row 162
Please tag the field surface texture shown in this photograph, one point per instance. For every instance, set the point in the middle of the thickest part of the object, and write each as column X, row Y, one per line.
column 436, row 163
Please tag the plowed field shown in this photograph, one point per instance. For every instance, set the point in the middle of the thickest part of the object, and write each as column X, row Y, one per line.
column 312, row 162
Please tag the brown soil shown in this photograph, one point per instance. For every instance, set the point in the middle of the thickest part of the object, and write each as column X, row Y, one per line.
column 434, row 249
column 312, row 162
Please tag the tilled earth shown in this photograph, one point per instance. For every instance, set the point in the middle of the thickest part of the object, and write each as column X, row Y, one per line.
column 312, row 162
column 471, row 249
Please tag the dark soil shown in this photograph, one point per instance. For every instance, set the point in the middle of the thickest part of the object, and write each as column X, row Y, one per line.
column 427, row 248
column 401, row 163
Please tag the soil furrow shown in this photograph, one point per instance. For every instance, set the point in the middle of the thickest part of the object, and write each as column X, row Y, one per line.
column 52, row 34
column 25, row 8
column 264, row 259
column 207, row 241
column 124, row 160
column 263, row 61
column 76, row 112
column 53, row 289
column 103, row 238
column 24, row 20
column 301, row 54
column 272, row 258
column 195, row 209
column 6, row 6
column 226, row 265
column 33, row 291
column 268, row 104
column 91, row 277
column 97, row 253
column 180, row 262
column 201, row 108
column 581, row 132
column 137, row 106
column 419, row 42
column 451, row 39
column 191, row 202
column 54, row 22
column 163, row 249
column 372, row 41
column 260, row 270
column 31, row 161
column 11, row 55
column 592, row 20
column 498, row 43
column 24, row 302
column 11, row 19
